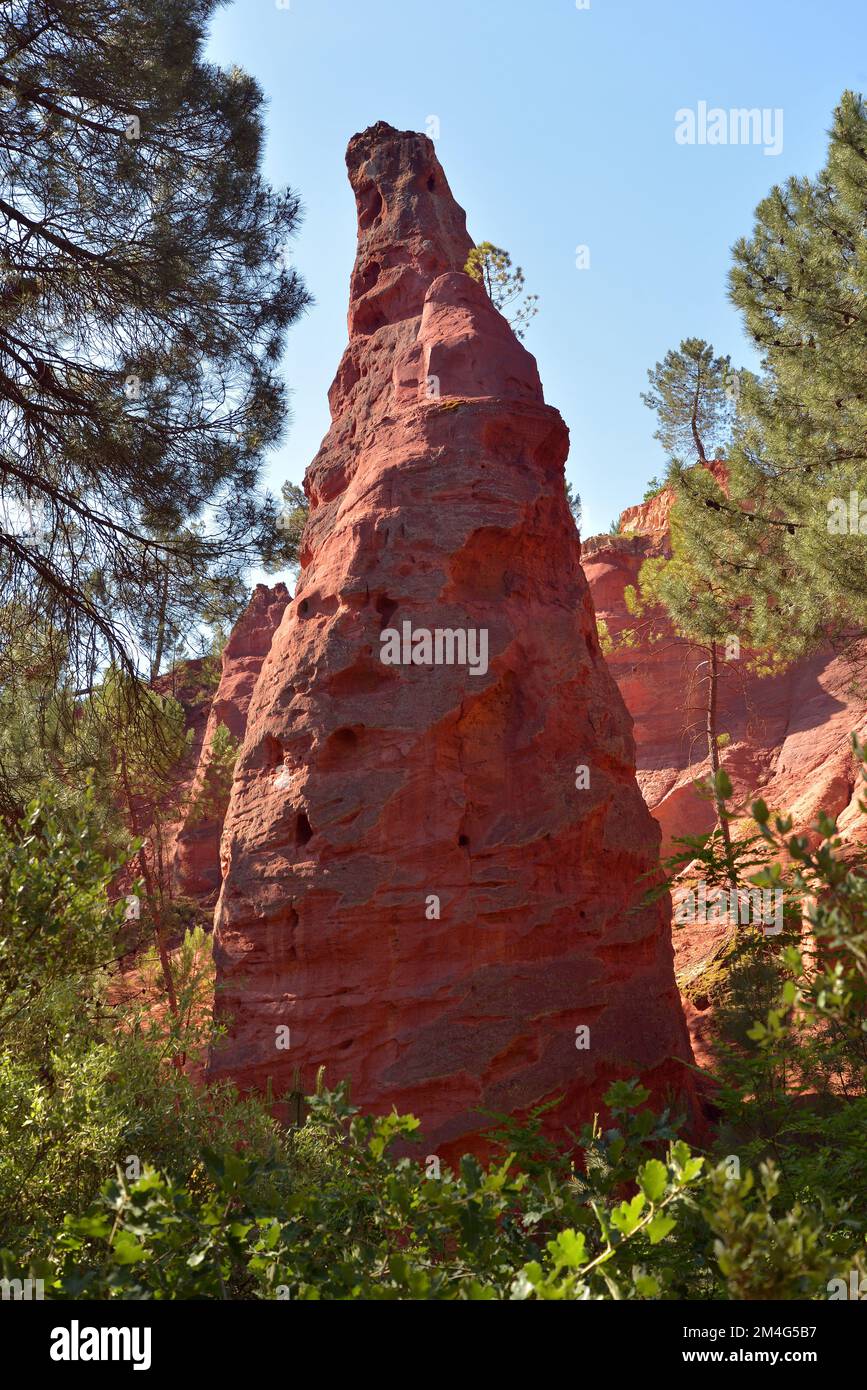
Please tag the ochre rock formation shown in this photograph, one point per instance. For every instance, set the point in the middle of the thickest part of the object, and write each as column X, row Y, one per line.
column 789, row 734
column 196, row 859
column 414, row 885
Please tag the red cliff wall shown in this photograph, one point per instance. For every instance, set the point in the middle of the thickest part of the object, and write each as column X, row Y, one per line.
column 789, row 733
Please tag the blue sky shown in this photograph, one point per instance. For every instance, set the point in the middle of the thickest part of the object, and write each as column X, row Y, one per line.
column 556, row 131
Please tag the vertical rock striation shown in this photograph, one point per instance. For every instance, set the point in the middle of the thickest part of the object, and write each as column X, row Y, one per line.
column 417, row 881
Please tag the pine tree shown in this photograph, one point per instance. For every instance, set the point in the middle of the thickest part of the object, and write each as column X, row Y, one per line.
column 706, row 616
column 291, row 520
column 704, row 602
column 796, row 514
column 573, row 501
column 492, row 267
column 688, row 391
column 143, row 306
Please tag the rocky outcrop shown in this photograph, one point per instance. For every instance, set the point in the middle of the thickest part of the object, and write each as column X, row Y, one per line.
column 196, row 858
column 789, row 737
column 431, row 867
column 789, row 734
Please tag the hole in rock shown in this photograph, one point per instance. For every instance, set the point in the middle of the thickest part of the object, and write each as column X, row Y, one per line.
column 463, row 839
column 369, row 277
column 431, row 184
column 364, row 678
column 369, row 317
column 272, row 751
column 303, row 829
column 303, row 608
column 340, row 748
column 385, row 607
column 370, row 206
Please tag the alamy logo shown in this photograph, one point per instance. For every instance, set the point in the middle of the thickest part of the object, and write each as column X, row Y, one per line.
column 732, row 906
column 76, row 1343
column 847, row 519
column 444, row 646
column 739, row 126
column 22, row 1289
column 856, row 1288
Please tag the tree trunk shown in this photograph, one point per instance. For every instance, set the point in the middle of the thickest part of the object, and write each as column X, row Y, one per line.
column 713, row 754
column 694, row 421
column 161, row 630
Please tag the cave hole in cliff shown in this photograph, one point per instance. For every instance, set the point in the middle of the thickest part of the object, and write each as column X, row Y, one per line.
column 340, row 748
column 369, row 276
column 370, row 206
column 272, row 751
column 431, row 184
column 386, row 608
column 463, row 840
column 365, row 677
column 368, row 317
column 303, row 829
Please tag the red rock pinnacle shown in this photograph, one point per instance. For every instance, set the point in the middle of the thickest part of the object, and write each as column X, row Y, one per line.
column 429, row 867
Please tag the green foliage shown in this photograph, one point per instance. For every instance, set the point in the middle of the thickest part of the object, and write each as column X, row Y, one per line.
column 769, row 1249
column 707, row 604
column 130, row 745
column 492, row 267
column 146, row 299
column 791, row 1054
column 211, row 798
column 85, row 1075
column 573, row 500
column 704, row 601
column 121, row 1179
column 381, row 1227
column 705, row 856
column 815, row 1035
column 654, row 487
column 606, row 641
column 55, row 916
column 291, row 520
column 712, row 591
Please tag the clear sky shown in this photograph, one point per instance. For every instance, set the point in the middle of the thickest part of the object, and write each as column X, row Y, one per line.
column 557, row 130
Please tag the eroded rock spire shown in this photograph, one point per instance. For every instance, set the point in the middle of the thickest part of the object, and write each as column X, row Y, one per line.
column 432, row 870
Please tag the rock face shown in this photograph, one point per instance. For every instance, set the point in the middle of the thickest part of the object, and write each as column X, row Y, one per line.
column 417, row 883
column 789, row 734
column 197, row 846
